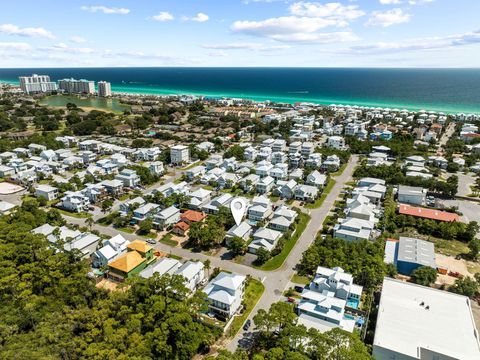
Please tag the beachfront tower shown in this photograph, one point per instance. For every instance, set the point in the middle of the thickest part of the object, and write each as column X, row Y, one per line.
column 37, row 84
column 104, row 89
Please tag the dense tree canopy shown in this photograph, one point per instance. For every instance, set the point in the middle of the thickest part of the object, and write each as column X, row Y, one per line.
column 50, row 309
column 362, row 259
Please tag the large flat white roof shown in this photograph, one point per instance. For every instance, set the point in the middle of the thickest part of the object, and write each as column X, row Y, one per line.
column 405, row 326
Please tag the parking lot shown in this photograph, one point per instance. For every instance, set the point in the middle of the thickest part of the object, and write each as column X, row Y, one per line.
column 469, row 209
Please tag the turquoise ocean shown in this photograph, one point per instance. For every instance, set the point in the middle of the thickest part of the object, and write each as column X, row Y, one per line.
column 446, row 90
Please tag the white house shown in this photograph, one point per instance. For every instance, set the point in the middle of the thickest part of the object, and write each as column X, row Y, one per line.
column 411, row 195
column 265, row 185
column 306, row 192
column 224, row 294
column 336, row 142
column 264, row 238
column 243, row 230
column 352, row 229
column 46, row 191
column 260, row 210
column 129, row 178
column 75, row 201
column 166, row 217
column 146, row 211
column 193, row 273
column 179, row 154
column 315, row 178
column 323, row 304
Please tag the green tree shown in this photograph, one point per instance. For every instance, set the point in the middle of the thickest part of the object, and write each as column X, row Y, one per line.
column 465, row 286
column 474, row 246
column 145, row 227
column 237, row 246
column 424, row 275
column 107, row 205
column 263, row 255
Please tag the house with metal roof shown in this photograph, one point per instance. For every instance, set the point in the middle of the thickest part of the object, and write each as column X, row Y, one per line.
column 323, row 303
column 225, row 293
column 408, row 254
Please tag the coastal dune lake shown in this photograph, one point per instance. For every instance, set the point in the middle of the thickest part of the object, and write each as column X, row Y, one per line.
column 447, row 90
column 85, row 103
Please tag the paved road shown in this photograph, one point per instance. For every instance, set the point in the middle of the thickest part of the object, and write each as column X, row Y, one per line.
column 275, row 281
column 447, row 134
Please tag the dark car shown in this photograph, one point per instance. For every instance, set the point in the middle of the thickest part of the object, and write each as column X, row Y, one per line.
column 298, row 288
column 247, row 324
column 291, row 300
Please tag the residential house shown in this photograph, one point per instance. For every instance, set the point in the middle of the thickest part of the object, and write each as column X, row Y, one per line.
column 46, row 191
column 75, row 201
column 129, row 178
column 315, row 178
column 306, row 193
column 324, row 303
column 243, row 231
column 199, row 198
column 353, row 229
column 167, row 217
column 264, row 238
column 411, row 195
column 260, row 210
column 265, row 185
column 146, row 211
column 224, row 294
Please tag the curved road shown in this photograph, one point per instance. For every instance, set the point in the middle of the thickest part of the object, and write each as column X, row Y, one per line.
column 276, row 281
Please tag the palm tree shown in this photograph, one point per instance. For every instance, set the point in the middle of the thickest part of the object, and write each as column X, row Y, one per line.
column 89, row 222
column 207, row 265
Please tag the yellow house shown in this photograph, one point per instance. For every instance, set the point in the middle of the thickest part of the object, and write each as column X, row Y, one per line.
column 138, row 256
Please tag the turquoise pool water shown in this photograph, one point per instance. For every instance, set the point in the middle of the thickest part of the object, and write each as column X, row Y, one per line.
column 353, row 303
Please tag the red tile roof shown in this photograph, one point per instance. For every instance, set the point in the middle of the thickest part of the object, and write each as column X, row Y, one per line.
column 182, row 225
column 193, row 216
column 427, row 213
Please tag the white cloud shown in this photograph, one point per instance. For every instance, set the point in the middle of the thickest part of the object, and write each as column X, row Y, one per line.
column 388, row 18
column 163, row 16
column 245, row 46
column 337, row 11
column 17, row 46
column 64, row 48
column 390, row 2
column 420, row 2
column 304, row 22
column 106, row 9
column 200, row 17
column 429, row 43
column 11, row 29
column 78, row 39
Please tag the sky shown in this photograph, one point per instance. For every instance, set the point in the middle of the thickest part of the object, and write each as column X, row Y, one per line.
column 211, row 33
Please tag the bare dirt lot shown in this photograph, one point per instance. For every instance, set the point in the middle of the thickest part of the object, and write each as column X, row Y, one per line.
column 461, row 266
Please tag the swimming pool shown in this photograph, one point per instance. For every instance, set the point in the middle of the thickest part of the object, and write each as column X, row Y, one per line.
column 353, row 303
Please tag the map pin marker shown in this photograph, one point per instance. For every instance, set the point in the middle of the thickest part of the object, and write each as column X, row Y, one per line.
column 238, row 207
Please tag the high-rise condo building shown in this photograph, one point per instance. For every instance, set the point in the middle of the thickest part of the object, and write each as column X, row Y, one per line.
column 73, row 86
column 104, row 89
column 37, row 84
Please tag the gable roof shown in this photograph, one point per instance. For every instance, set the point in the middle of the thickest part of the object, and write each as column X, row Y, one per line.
column 427, row 213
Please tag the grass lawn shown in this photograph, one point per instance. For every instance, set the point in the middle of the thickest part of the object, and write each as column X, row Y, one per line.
column 172, row 256
column 321, row 199
column 151, row 235
column 253, row 293
column 167, row 240
column 124, row 197
column 339, row 171
column 297, row 279
column 277, row 261
column 191, row 166
column 127, row 230
column 208, row 187
column 81, row 215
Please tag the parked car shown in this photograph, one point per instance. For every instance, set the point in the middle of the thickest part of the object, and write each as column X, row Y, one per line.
column 151, row 241
column 247, row 324
column 298, row 288
column 291, row 300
